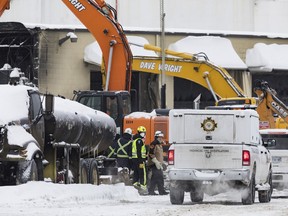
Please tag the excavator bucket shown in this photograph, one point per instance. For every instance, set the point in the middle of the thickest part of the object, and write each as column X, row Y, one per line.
column 4, row 5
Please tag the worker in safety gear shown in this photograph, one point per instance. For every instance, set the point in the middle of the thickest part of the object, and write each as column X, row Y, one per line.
column 124, row 149
column 139, row 159
column 156, row 165
column 110, row 152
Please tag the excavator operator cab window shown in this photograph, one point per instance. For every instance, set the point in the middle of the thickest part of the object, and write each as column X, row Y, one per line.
column 112, row 107
column 93, row 102
column 126, row 105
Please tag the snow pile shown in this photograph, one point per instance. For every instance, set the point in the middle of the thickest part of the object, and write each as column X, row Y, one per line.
column 17, row 135
column 265, row 58
column 136, row 45
column 219, row 50
column 142, row 114
column 41, row 192
column 14, row 103
column 93, row 53
column 42, row 199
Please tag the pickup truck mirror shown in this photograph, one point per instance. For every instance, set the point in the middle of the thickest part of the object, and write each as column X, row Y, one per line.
column 49, row 103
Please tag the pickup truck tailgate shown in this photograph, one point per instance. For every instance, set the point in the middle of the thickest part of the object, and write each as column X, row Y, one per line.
column 199, row 156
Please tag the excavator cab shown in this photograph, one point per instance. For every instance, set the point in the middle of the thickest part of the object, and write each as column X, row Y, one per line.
column 116, row 104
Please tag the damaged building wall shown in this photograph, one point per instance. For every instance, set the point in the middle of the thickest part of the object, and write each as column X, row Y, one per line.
column 19, row 48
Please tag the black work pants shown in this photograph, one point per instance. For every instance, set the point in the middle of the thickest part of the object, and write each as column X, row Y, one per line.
column 157, row 179
column 139, row 172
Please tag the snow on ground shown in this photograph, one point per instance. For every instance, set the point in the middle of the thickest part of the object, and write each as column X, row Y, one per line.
column 42, row 198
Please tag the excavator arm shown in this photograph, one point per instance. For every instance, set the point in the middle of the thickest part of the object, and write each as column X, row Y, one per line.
column 269, row 104
column 4, row 5
column 101, row 20
column 189, row 67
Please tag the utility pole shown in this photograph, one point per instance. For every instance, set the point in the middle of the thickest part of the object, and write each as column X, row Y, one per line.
column 162, row 45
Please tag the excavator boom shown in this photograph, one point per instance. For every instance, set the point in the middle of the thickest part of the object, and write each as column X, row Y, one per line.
column 101, row 20
column 4, row 5
column 202, row 72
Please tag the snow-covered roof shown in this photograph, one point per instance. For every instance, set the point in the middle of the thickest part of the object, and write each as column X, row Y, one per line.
column 93, row 53
column 219, row 50
column 265, row 58
column 221, row 16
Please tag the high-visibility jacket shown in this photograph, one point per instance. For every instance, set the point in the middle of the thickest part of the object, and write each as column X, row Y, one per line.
column 135, row 150
column 111, row 152
column 122, row 149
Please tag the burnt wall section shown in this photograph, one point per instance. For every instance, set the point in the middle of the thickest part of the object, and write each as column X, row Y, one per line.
column 19, row 47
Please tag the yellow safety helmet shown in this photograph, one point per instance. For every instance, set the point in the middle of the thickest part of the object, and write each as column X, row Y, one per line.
column 141, row 129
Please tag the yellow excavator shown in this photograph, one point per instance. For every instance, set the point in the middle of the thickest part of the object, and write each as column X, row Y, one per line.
column 195, row 68
column 226, row 92
column 269, row 105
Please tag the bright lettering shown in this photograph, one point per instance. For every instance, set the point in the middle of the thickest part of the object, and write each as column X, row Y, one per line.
column 77, row 5
column 147, row 65
column 171, row 68
column 282, row 112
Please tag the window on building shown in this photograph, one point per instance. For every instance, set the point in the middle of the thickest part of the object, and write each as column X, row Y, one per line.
column 96, row 82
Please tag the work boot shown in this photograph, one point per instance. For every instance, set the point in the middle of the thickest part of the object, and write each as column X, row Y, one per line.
column 163, row 193
column 137, row 185
column 143, row 190
column 143, row 187
column 152, row 193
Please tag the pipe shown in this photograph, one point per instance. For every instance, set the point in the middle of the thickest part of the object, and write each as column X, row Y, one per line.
column 205, row 76
column 112, row 43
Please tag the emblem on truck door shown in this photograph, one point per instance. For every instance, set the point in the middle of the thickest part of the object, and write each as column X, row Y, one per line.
column 207, row 153
column 209, row 124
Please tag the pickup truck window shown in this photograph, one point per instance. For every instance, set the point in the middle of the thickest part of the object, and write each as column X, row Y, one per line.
column 276, row 141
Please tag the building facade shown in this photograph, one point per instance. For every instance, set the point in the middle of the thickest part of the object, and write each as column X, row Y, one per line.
column 60, row 69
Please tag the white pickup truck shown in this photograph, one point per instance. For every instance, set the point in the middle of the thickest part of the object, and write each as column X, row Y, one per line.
column 213, row 151
column 277, row 143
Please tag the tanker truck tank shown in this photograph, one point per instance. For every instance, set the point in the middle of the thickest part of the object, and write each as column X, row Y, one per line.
column 58, row 144
column 72, row 122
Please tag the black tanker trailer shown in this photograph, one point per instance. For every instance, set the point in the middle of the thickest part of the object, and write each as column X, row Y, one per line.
column 62, row 141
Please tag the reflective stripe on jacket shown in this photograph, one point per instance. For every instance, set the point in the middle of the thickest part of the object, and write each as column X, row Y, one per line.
column 121, row 152
column 112, row 152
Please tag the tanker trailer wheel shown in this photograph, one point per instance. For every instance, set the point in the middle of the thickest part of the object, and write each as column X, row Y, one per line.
column 93, row 173
column 29, row 171
column 83, row 171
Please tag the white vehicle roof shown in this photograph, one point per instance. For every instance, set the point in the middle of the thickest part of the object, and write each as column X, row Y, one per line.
column 274, row 131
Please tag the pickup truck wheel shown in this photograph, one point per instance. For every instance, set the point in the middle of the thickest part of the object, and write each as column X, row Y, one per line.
column 93, row 171
column 176, row 195
column 197, row 195
column 248, row 195
column 265, row 196
column 83, row 172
